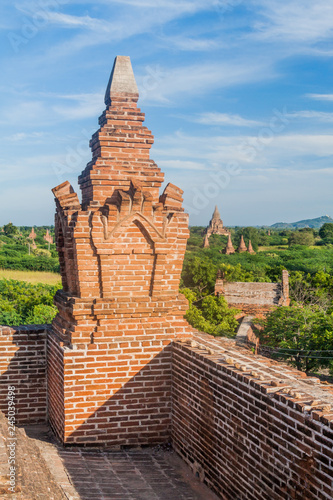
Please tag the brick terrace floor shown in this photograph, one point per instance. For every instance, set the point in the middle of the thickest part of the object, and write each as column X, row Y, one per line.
column 49, row 471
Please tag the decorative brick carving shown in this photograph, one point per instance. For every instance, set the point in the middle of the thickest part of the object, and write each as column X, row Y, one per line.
column 121, row 253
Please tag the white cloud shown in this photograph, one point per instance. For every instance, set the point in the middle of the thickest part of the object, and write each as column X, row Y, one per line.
column 295, row 150
column 321, row 97
column 182, row 165
column 202, row 78
column 225, row 119
column 88, row 105
column 24, row 136
column 190, row 43
column 313, row 115
column 296, row 20
column 70, row 21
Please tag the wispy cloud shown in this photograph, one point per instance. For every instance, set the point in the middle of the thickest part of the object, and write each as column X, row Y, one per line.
column 87, row 105
column 205, row 77
column 24, row 136
column 70, row 21
column 187, row 43
column 296, row 20
column 225, row 119
column 215, row 151
column 321, row 97
column 321, row 116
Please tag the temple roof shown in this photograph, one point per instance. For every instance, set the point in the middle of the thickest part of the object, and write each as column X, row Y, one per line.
column 122, row 80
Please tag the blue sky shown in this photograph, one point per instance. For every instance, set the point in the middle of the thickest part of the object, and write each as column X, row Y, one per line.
column 239, row 96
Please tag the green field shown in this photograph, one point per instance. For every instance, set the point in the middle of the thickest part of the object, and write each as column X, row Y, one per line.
column 31, row 276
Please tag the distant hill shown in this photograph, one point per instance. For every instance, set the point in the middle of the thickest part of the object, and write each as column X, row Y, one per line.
column 313, row 223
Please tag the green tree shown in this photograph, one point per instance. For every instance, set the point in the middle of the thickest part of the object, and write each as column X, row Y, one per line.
column 26, row 303
column 211, row 314
column 200, row 275
column 299, row 335
column 301, row 238
column 9, row 229
column 41, row 314
column 326, row 230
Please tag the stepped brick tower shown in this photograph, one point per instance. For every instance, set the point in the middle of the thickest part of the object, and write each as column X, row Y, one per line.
column 121, row 253
column 250, row 248
column 229, row 249
column 242, row 247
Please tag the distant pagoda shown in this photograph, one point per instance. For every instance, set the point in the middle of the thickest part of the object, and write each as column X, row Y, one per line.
column 250, row 248
column 32, row 235
column 229, row 249
column 242, row 247
column 216, row 225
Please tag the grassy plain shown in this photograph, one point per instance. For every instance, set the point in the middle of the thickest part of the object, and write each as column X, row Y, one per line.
column 31, row 276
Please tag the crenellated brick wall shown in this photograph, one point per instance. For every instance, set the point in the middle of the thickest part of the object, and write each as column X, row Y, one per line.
column 250, row 427
column 23, row 365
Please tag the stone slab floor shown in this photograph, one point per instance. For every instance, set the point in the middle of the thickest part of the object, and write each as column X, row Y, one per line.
column 48, row 471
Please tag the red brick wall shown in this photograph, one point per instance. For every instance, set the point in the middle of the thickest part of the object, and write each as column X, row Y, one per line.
column 23, row 365
column 117, row 390
column 242, row 435
column 55, row 384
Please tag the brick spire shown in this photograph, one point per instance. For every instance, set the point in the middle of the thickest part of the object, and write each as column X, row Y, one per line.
column 216, row 214
column 250, row 248
column 229, row 249
column 32, row 235
column 122, row 81
column 242, row 247
column 120, row 148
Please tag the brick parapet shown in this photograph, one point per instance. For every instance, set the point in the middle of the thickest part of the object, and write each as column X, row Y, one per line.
column 251, row 427
column 23, row 365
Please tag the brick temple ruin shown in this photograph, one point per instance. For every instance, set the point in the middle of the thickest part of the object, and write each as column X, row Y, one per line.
column 215, row 227
column 121, row 367
column 254, row 298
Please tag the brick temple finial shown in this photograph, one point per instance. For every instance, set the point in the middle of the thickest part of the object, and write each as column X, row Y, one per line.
column 122, row 81
column 121, row 253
